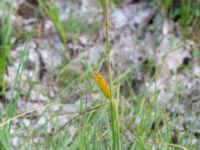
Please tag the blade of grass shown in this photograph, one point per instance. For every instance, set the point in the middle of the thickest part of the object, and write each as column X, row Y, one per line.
column 49, row 8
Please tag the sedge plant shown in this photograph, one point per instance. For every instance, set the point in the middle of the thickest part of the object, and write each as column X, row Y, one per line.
column 107, row 90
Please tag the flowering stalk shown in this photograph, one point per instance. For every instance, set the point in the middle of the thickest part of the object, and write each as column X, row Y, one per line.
column 101, row 82
column 107, row 90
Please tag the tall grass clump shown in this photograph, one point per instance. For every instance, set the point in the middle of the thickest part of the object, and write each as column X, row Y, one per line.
column 10, row 106
column 49, row 8
column 5, row 125
column 108, row 90
column 5, row 31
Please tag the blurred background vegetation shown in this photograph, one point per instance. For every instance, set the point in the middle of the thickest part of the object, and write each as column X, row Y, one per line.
column 143, row 123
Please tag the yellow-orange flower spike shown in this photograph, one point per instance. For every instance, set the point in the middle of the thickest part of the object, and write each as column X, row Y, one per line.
column 101, row 82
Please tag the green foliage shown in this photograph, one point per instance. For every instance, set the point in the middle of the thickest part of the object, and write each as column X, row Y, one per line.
column 184, row 11
column 168, row 4
column 74, row 26
column 11, row 106
column 5, row 31
column 196, row 53
column 49, row 8
column 112, row 3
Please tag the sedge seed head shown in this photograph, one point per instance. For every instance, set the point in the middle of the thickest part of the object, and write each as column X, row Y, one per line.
column 103, row 85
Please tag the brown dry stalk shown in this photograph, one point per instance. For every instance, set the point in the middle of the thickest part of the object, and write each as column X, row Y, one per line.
column 75, row 118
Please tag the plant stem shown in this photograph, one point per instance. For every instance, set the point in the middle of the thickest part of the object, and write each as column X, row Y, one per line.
column 113, row 103
column 107, row 47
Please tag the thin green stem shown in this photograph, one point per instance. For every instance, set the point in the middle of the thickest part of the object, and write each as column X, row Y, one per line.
column 107, row 47
column 113, row 103
column 155, row 109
